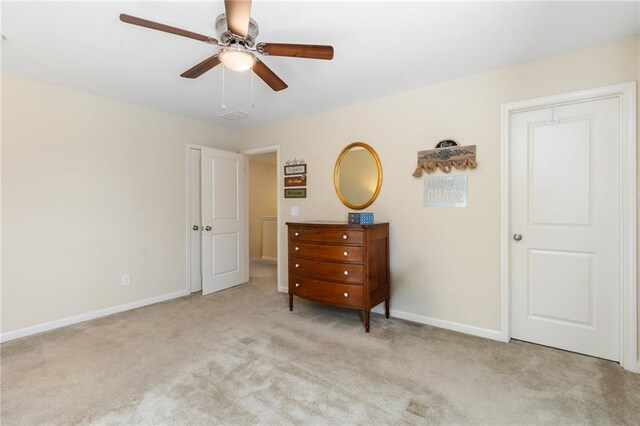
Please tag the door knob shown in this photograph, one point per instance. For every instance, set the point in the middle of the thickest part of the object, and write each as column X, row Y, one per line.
column 207, row 228
column 195, row 227
column 517, row 237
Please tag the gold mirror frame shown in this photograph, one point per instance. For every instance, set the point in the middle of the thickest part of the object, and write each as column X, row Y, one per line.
column 336, row 175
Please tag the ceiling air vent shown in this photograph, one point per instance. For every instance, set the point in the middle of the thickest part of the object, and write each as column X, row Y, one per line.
column 235, row 115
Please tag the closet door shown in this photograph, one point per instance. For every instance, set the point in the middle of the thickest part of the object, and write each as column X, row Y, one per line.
column 565, row 221
column 195, row 225
column 224, row 239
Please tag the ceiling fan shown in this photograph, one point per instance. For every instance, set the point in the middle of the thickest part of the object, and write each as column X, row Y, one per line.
column 237, row 33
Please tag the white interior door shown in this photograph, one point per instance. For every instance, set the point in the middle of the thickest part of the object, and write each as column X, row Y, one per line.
column 195, row 225
column 224, row 239
column 565, row 197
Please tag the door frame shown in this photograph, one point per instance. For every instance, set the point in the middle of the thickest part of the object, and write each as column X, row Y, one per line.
column 279, row 220
column 626, row 93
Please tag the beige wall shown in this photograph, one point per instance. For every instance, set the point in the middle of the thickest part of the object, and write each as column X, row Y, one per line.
column 91, row 189
column 262, row 201
column 445, row 262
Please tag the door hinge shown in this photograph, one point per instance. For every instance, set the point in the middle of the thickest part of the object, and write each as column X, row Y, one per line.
column 552, row 116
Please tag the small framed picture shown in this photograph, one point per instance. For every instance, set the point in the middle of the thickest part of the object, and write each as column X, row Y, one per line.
column 295, row 181
column 295, row 193
column 295, row 169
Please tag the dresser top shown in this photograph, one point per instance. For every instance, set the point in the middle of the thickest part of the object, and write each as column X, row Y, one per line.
column 334, row 224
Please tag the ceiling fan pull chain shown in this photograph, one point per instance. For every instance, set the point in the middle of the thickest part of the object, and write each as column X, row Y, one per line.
column 224, row 105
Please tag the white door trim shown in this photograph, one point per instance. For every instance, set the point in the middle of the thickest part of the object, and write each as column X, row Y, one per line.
column 626, row 92
column 280, row 224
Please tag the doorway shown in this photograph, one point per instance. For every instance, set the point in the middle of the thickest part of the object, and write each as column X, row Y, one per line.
column 263, row 192
column 569, row 223
column 217, row 251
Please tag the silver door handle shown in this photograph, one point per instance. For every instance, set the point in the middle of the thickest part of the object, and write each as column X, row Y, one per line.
column 207, row 228
column 195, row 227
column 517, row 237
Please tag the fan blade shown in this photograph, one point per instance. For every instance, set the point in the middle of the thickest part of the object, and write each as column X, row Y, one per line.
column 311, row 51
column 238, row 13
column 268, row 76
column 166, row 28
column 202, row 67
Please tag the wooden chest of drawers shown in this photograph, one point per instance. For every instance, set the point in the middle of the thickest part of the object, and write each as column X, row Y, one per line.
column 340, row 264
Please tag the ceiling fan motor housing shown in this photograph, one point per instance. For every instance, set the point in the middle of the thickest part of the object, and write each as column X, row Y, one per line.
column 227, row 37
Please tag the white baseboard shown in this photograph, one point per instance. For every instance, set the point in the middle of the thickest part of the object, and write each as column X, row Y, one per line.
column 270, row 259
column 449, row 325
column 52, row 325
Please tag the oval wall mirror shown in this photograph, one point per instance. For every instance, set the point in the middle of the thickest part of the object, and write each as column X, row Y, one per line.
column 357, row 176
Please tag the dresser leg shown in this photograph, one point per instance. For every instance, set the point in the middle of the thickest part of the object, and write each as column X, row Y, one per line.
column 367, row 318
column 386, row 308
column 290, row 302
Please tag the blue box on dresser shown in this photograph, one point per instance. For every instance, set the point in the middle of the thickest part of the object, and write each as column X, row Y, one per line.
column 361, row 218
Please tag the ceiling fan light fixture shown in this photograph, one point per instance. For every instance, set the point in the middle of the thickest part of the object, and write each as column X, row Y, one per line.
column 237, row 58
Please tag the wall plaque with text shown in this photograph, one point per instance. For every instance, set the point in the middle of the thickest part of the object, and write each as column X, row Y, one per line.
column 445, row 191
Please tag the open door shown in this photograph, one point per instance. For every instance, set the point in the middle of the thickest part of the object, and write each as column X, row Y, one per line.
column 224, row 239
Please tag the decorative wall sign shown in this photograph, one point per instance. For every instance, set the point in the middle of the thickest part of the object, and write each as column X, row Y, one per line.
column 295, row 180
column 446, row 143
column 445, row 191
column 298, row 169
column 295, row 193
column 459, row 157
column 295, row 167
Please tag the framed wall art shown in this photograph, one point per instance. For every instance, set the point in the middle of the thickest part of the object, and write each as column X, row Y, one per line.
column 295, row 169
column 295, row 193
column 295, row 181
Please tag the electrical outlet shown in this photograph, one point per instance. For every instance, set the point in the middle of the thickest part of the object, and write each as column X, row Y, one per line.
column 295, row 211
column 125, row 280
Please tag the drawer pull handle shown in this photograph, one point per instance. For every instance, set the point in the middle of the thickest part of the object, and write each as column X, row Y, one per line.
column 297, row 265
column 346, row 295
column 296, row 233
column 297, row 284
column 346, row 272
column 344, row 236
column 297, row 248
column 346, row 253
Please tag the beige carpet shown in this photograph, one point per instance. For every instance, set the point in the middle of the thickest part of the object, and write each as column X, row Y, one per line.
column 240, row 357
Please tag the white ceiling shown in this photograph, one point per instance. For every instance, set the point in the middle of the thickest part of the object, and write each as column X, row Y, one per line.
column 380, row 48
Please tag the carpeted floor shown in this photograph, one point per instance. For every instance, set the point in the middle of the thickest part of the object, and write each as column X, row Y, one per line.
column 240, row 357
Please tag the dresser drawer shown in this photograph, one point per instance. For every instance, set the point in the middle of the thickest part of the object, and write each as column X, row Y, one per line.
column 321, row 291
column 323, row 235
column 343, row 272
column 326, row 252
